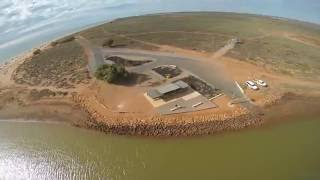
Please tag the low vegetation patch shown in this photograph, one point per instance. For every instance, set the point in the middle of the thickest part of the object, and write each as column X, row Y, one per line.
column 62, row 66
column 36, row 52
column 280, row 54
column 264, row 38
column 100, row 37
column 111, row 73
column 45, row 93
column 108, row 43
column 196, row 41
column 63, row 40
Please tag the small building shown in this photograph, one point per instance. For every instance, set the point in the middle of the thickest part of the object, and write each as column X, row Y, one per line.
column 154, row 94
column 181, row 84
column 167, row 90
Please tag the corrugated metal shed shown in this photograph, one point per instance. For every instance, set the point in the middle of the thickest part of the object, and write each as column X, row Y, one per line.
column 168, row 88
column 181, row 84
column 154, row 94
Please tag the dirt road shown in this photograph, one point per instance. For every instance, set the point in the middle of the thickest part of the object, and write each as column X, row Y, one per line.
column 95, row 58
column 224, row 50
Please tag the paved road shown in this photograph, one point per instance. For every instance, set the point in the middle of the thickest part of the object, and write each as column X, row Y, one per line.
column 212, row 72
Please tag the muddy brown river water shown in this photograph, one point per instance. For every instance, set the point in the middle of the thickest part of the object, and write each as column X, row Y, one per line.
column 59, row 151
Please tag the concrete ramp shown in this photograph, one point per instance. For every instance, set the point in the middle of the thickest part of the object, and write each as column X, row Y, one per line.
column 194, row 104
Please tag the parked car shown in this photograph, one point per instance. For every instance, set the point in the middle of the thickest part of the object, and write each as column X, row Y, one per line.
column 261, row 83
column 252, row 85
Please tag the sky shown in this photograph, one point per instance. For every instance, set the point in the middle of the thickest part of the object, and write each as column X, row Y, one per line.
column 25, row 24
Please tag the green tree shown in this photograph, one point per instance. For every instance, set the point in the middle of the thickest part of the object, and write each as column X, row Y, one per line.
column 111, row 73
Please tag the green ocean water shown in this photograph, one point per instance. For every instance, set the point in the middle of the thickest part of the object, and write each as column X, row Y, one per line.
column 287, row 151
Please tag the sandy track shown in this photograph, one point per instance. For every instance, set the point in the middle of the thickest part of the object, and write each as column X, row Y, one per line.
column 224, row 50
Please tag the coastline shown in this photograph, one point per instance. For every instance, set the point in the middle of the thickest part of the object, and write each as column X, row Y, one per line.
column 55, row 110
column 6, row 61
column 208, row 124
column 22, row 56
column 75, row 110
column 79, row 116
column 178, row 130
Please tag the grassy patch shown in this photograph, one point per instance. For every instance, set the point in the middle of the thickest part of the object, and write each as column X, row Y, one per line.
column 98, row 37
column 202, row 42
column 284, row 55
column 264, row 40
column 62, row 66
column 230, row 24
column 45, row 93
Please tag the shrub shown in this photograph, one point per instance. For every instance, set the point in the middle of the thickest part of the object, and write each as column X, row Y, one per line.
column 62, row 66
column 54, row 43
column 111, row 73
column 108, row 43
column 66, row 39
column 36, row 52
column 62, row 41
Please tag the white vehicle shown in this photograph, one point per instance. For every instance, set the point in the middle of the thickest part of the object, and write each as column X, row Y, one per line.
column 261, row 83
column 252, row 85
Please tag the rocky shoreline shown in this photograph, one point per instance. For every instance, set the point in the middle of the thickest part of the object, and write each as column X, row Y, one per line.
column 175, row 126
column 209, row 124
column 79, row 114
column 21, row 105
column 168, row 126
column 177, row 130
column 49, row 102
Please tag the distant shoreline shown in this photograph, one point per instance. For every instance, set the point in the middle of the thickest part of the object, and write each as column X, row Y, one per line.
column 46, row 43
column 91, row 25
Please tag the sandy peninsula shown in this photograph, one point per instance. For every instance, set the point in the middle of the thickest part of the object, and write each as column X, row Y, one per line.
column 179, row 84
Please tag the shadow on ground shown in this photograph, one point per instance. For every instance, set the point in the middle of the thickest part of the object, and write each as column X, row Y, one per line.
column 133, row 79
